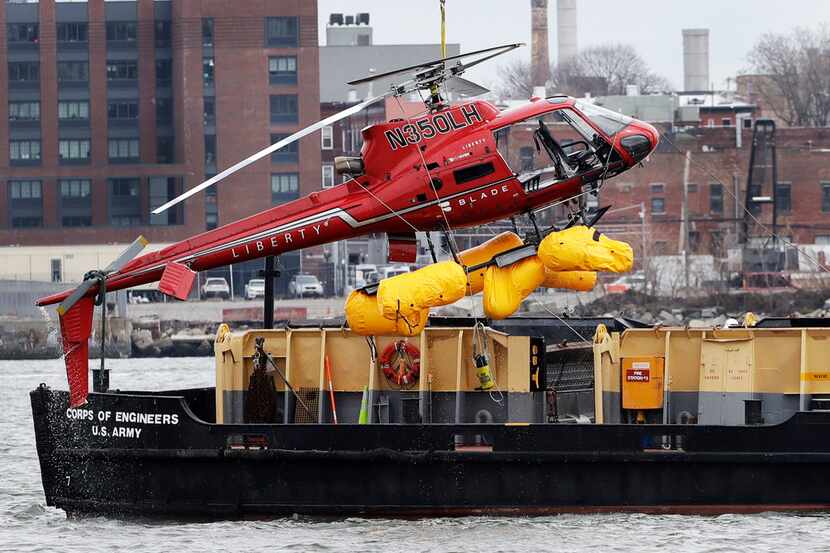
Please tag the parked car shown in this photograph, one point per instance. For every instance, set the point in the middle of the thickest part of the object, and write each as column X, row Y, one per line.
column 626, row 283
column 216, row 287
column 305, row 285
column 395, row 270
column 255, row 288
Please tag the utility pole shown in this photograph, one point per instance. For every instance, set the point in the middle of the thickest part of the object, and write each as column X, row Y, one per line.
column 643, row 241
column 685, row 235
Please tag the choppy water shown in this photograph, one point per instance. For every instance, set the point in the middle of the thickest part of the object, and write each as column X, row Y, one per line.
column 26, row 524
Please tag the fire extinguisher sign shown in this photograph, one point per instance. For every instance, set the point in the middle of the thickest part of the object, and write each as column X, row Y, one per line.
column 639, row 372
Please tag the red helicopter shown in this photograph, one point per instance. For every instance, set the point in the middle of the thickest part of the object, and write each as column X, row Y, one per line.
column 456, row 165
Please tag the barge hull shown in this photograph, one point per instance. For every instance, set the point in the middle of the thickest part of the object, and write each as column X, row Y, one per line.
column 123, row 453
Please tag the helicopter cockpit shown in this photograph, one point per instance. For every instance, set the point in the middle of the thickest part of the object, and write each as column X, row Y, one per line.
column 559, row 145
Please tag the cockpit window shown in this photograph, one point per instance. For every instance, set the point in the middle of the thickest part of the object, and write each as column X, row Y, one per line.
column 609, row 121
column 557, row 145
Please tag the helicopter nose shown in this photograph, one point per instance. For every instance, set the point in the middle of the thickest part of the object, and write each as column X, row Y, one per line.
column 642, row 141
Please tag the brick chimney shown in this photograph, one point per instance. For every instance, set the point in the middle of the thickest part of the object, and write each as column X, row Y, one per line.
column 539, row 52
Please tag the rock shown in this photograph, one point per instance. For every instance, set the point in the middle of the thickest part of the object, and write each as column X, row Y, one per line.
column 666, row 317
column 708, row 312
column 697, row 323
column 142, row 338
column 719, row 320
column 645, row 318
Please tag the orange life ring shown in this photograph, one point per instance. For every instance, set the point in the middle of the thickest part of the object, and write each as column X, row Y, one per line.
column 401, row 363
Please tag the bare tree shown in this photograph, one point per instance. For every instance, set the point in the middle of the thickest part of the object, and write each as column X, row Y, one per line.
column 607, row 70
column 794, row 75
column 515, row 80
column 600, row 70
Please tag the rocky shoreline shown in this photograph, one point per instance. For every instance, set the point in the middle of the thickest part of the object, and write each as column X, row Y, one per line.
column 154, row 336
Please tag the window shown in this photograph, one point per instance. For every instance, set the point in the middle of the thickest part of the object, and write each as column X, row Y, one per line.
column 783, row 200
column 73, row 110
column 691, row 188
column 284, row 187
column 526, row 158
column 211, row 206
column 657, row 188
column 165, row 151
column 122, row 70
column 24, row 111
column 122, row 109
column 162, row 190
column 825, row 197
column 24, row 151
column 328, row 176
column 327, row 138
column 726, row 122
column 69, row 71
column 748, row 123
column 125, row 202
column 287, row 154
column 23, row 33
column 72, row 149
column 282, row 70
column 123, row 148
column 24, row 71
column 207, row 31
column 210, row 149
column 715, row 198
column 25, row 203
column 473, row 172
column 209, row 110
column 284, row 108
column 55, row 264
column 164, row 72
column 76, row 202
column 281, row 31
column 121, row 31
column 658, row 205
column 162, row 34
column 754, row 192
column 711, row 123
column 207, row 71
column 72, row 32
column 164, row 111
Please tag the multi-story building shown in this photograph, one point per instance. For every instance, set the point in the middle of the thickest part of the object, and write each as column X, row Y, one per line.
column 111, row 108
column 716, row 192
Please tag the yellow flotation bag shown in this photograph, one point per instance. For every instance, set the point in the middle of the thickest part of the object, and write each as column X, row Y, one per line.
column 581, row 281
column 407, row 294
column 585, row 249
column 484, row 252
column 364, row 318
column 505, row 288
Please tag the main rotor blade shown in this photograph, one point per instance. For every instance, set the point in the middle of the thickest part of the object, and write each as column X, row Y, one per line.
column 463, row 87
column 132, row 250
column 272, row 148
column 505, row 47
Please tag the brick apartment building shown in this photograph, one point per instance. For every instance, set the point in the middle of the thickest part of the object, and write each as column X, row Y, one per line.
column 113, row 107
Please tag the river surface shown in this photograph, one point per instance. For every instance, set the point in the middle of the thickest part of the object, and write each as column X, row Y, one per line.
column 27, row 524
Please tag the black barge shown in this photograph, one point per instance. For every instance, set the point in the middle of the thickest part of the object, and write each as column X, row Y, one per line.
column 643, row 419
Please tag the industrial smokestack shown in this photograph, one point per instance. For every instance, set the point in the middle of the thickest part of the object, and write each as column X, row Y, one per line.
column 695, row 60
column 566, row 30
column 539, row 51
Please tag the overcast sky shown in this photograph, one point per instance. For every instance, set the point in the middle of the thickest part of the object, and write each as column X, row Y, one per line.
column 653, row 27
